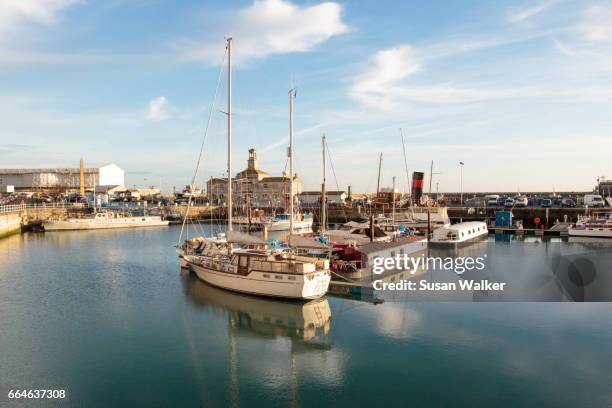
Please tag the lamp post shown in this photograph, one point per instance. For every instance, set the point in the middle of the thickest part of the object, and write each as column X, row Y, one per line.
column 461, row 182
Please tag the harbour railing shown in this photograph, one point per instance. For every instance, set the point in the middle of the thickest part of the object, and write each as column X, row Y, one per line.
column 10, row 208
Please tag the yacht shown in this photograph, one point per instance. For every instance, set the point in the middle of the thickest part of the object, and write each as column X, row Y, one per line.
column 255, row 270
column 103, row 220
column 459, row 234
column 281, row 222
column 595, row 226
column 242, row 262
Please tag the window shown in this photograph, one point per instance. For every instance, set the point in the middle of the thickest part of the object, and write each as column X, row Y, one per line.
column 266, row 276
column 278, row 276
column 291, row 278
column 392, row 254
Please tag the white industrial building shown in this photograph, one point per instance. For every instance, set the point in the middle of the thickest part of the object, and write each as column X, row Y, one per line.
column 64, row 179
column 313, row 198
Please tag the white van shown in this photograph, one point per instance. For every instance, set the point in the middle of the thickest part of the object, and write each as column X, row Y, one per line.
column 594, row 200
column 491, row 200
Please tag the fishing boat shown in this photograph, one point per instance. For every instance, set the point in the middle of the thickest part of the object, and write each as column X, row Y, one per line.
column 459, row 234
column 103, row 220
column 598, row 225
column 242, row 262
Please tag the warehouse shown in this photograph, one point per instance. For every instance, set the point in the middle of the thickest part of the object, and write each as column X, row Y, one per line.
column 61, row 179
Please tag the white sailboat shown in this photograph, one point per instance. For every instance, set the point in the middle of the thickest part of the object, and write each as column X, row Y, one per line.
column 103, row 220
column 242, row 263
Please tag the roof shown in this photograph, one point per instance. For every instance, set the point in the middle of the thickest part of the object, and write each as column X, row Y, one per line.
column 251, row 172
column 379, row 246
column 279, row 178
column 50, row 170
column 319, row 193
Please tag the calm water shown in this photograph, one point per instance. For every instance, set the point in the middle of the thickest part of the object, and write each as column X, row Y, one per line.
column 108, row 315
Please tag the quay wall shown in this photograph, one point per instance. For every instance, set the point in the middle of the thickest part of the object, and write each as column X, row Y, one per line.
column 10, row 223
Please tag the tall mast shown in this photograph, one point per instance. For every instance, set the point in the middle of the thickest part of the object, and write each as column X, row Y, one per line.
column 323, row 197
column 290, row 153
column 406, row 165
column 378, row 182
column 229, row 134
column 393, row 203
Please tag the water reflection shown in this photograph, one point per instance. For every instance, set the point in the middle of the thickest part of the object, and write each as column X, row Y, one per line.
column 255, row 316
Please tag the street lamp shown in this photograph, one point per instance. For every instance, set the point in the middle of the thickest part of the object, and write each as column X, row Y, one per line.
column 461, row 171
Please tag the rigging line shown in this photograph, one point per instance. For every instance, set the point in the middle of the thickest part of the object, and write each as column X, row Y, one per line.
column 331, row 164
column 197, row 168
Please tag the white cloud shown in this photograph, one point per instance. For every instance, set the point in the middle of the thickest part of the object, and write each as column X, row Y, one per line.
column 389, row 66
column 270, row 27
column 596, row 23
column 158, row 109
column 15, row 13
column 517, row 16
column 383, row 86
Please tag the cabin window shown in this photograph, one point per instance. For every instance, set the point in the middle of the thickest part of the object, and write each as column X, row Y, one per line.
column 392, row 254
column 291, row 277
column 278, row 276
column 244, row 261
column 266, row 276
column 402, row 251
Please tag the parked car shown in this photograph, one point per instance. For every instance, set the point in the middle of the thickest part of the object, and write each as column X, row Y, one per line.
column 521, row 201
column 546, row 203
column 568, row 203
column 509, row 202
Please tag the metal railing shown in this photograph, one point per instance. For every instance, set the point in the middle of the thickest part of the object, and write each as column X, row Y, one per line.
column 9, row 208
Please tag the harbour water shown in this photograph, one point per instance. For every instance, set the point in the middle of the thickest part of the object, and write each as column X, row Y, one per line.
column 109, row 316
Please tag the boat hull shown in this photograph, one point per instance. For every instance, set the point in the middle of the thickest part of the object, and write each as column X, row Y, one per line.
column 267, row 283
column 590, row 233
column 283, row 225
column 458, row 244
column 78, row 224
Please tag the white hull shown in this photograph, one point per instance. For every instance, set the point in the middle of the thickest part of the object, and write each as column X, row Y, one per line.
column 459, row 234
column 255, row 283
column 593, row 232
column 111, row 223
column 283, row 225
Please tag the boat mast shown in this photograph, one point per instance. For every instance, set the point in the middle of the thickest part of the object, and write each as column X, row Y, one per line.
column 406, row 165
column 290, row 153
column 323, row 196
column 379, row 168
column 393, row 203
column 229, row 134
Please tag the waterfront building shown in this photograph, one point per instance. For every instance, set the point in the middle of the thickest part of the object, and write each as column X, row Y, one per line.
column 254, row 187
column 61, row 179
column 313, row 198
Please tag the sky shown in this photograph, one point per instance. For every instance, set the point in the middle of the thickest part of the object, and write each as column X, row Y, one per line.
column 519, row 91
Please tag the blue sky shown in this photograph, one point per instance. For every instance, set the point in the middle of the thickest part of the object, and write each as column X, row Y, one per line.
column 521, row 91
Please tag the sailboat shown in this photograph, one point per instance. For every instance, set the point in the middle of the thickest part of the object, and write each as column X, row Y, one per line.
column 103, row 220
column 242, row 263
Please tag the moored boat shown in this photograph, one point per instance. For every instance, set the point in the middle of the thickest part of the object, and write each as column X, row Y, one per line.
column 103, row 220
column 596, row 226
column 459, row 234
